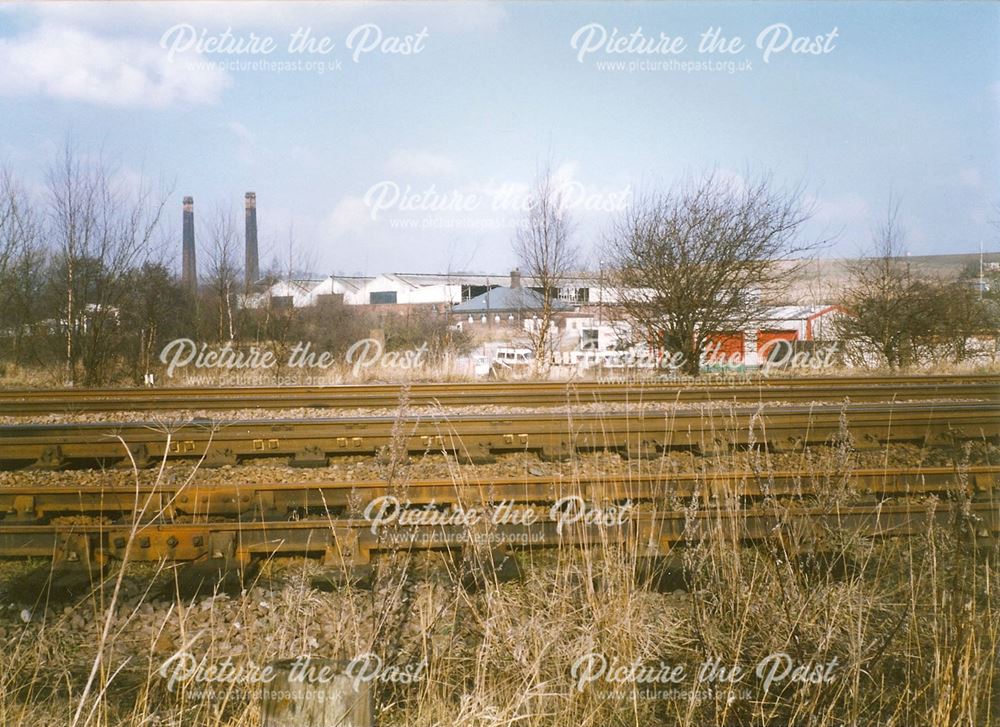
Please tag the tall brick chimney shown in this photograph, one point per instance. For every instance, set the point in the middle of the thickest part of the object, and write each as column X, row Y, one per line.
column 189, row 267
column 515, row 278
column 252, row 267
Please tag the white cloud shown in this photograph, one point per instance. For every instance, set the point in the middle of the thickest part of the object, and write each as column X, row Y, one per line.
column 247, row 149
column 241, row 132
column 351, row 215
column 565, row 174
column 75, row 65
column 405, row 163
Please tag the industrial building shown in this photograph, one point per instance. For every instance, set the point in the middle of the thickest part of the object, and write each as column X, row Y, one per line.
column 439, row 291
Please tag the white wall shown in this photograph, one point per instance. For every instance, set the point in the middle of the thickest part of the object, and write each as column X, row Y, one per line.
column 409, row 295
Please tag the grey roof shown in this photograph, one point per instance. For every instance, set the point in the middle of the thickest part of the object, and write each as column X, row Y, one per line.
column 503, row 299
column 417, row 280
column 354, row 282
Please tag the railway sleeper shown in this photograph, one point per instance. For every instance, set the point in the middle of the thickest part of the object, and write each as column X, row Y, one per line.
column 138, row 457
column 557, row 451
column 482, row 451
column 310, row 458
column 641, row 449
column 783, row 445
column 478, row 453
column 345, row 550
column 219, row 457
column 51, row 458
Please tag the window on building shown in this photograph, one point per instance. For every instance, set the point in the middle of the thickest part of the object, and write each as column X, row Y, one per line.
column 382, row 297
column 583, row 295
column 471, row 291
column 282, row 301
column 589, row 339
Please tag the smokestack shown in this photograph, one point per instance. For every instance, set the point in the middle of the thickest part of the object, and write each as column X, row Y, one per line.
column 515, row 278
column 189, row 268
column 252, row 263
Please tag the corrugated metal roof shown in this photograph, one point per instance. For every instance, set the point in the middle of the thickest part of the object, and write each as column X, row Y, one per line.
column 418, row 280
column 504, row 299
column 792, row 312
column 354, row 282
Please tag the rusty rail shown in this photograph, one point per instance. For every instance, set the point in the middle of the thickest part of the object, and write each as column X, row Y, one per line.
column 554, row 435
column 20, row 402
column 353, row 542
column 169, row 501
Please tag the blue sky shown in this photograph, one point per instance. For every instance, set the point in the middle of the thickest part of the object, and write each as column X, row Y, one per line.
column 904, row 102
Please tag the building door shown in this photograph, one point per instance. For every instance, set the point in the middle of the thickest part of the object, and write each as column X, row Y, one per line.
column 767, row 348
column 725, row 347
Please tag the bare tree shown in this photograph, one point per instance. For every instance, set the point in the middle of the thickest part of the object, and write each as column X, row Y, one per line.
column 22, row 261
column 901, row 317
column 280, row 324
column 704, row 258
column 888, row 306
column 223, row 279
column 159, row 309
column 14, row 212
column 101, row 224
column 546, row 253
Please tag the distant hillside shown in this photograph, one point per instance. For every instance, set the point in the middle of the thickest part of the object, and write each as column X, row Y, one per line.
column 823, row 280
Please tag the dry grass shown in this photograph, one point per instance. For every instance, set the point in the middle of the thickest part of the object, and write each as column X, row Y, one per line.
column 451, row 369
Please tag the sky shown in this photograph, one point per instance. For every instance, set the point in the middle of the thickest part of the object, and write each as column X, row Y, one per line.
column 406, row 136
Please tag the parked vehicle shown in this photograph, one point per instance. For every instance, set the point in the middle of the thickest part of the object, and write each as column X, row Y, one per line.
column 511, row 361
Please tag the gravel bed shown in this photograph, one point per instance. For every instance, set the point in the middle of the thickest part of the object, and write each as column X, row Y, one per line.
column 820, row 460
column 175, row 416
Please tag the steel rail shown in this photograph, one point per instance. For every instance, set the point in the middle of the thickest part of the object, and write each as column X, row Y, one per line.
column 26, row 402
column 170, row 501
column 554, row 435
column 353, row 542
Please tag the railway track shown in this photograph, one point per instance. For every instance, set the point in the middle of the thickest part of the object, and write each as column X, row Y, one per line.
column 218, row 532
column 172, row 502
column 553, row 435
column 909, row 388
column 352, row 542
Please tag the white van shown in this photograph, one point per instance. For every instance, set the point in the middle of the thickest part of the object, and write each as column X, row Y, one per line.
column 507, row 361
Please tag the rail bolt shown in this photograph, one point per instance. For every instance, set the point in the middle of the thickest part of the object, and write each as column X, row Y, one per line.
column 143, row 542
column 172, row 542
column 197, row 541
column 120, row 542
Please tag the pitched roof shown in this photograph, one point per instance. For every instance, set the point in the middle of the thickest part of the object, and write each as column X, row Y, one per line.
column 352, row 282
column 417, row 280
column 504, row 299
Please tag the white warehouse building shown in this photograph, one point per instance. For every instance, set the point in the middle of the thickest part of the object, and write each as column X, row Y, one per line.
column 443, row 290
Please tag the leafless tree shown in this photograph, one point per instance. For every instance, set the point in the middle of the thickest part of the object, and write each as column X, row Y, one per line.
column 278, row 325
column 703, row 258
column 223, row 278
column 101, row 225
column 888, row 307
column 546, row 253
column 22, row 262
column 13, row 211
column 897, row 317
